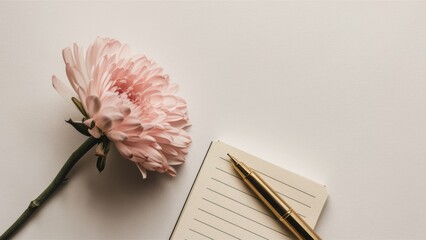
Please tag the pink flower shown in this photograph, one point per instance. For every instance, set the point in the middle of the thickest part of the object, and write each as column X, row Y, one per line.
column 131, row 102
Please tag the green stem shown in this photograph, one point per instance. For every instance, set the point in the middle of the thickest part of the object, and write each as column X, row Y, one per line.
column 59, row 179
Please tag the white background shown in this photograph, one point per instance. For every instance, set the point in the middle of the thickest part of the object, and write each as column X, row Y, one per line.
column 333, row 91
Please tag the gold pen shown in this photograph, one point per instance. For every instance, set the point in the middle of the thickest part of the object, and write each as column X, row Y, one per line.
column 278, row 206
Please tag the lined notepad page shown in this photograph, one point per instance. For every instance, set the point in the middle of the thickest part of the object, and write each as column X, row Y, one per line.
column 221, row 206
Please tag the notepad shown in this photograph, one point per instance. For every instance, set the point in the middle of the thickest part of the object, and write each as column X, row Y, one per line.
column 221, row 206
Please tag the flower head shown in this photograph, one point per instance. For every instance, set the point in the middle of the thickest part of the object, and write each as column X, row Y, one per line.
column 129, row 101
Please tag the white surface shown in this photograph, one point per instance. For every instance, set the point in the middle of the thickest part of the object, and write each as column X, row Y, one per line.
column 333, row 91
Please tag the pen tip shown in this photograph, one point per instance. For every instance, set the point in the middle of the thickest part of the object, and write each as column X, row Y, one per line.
column 233, row 160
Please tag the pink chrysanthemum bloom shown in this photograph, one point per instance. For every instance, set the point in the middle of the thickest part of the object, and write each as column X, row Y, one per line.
column 130, row 102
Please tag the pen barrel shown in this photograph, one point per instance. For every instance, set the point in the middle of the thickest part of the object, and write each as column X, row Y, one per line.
column 299, row 227
column 280, row 208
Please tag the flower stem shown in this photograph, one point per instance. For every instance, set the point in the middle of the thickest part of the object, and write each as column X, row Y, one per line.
column 59, row 179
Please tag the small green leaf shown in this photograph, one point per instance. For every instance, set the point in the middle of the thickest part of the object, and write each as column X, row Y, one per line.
column 106, row 143
column 103, row 148
column 100, row 163
column 80, row 107
column 81, row 127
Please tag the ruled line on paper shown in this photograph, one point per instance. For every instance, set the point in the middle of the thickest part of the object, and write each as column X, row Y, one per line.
column 201, row 234
column 228, row 185
column 279, row 193
column 234, row 224
column 225, row 159
column 257, row 210
column 224, row 171
column 301, row 215
column 205, row 199
column 216, row 228
column 266, row 175
column 253, row 196
column 295, row 200
column 296, row 188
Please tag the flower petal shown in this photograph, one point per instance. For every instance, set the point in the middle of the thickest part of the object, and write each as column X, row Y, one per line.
column 68, row 57
column 124, row 150
column 93, row 104
column 142, row 170
column 171, row 171
column 117, row 136
column 95, row 132
column 63, row 90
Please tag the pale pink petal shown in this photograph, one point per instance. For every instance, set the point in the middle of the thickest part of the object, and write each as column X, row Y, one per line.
column 68, row 58
column 63, row 90
column 95, row 132
column 117, row 136
column 181, row 141
column 171, row 171
column 147, row 138
column 93, row 104
column 104, row 122
column 175, row 162
column 152, row 153
column 152, row 165
column 169, row 150
column 125, row 110
column 124, row 150
column 169, row 101
column 142, row 170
